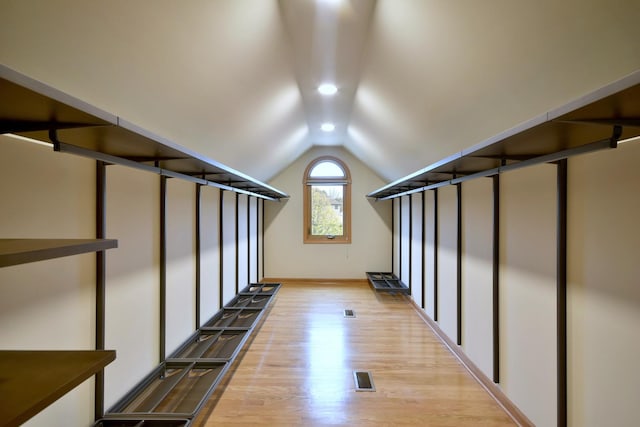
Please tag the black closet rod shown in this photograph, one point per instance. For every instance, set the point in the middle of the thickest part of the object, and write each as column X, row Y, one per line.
column 107, row 158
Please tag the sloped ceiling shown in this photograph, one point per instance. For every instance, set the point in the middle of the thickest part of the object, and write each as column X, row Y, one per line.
column 236, row 80
column 213, row 76
column 442, row 76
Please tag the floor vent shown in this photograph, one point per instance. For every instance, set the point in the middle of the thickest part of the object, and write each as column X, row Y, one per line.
column 349, row 313
column 363, row 380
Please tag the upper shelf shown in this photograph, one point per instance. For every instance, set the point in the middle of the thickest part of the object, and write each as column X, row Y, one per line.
column 595, row 121
column 32, row 380
column 35, row 110
column 21, row 251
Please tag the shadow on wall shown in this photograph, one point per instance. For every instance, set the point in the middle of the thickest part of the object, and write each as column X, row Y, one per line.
column 21, row 285
column 273, row 211
column 382, row 210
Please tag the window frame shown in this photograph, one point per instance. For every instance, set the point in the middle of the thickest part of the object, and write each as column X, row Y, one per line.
column 345, row 182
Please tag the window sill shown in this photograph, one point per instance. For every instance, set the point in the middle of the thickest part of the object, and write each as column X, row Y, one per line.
column 325, row 240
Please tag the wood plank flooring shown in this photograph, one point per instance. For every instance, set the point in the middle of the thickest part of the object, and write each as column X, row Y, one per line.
column 297, row 370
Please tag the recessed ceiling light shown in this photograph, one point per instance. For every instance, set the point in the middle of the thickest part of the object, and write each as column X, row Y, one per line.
column 327, row 127
column 327, row 89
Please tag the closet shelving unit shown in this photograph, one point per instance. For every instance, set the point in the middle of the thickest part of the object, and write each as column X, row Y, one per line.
column 387, row 282
column 178, row 388
column 37, row 111
column 597, row 121
column 32, row 380
column 593, row 122
column 31, row 109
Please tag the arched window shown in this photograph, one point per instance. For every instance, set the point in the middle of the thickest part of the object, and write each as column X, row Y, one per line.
column 327, row 201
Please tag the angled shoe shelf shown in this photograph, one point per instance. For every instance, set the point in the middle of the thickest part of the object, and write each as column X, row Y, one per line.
column 387, row 282
column 261, row 288
column 222, row 344
column 234, row 318
column 178, row 388
column 597, row 121
column 249, row 300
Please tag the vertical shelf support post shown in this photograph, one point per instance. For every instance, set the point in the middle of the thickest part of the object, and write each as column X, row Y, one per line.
column 410, row 244
column 393, row 239
column 237, row 241
column 198, row 251
column 261, row 233
column 400, row 237
column 496, row 278
column 435, row 255
column 561, row 298
column 101, row 224
column 422, row 245
column 459, row 265
column 163, row 267
column 220, row 247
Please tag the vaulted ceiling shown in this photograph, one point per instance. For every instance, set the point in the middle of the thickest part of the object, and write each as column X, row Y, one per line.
column 236, row 80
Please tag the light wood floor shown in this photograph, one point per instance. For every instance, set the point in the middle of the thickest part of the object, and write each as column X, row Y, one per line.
column 298, row 368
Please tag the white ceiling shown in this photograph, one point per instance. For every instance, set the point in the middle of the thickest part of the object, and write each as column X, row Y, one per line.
column 328, row 39
column 235, row 79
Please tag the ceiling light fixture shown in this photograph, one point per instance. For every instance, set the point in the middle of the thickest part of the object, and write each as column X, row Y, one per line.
column 327, row 127
column 327, row 89
column 331, row 2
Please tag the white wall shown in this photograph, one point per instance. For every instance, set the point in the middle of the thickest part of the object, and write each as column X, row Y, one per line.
column 405, row 239
column 180, row 279
column 286, row 256
column 417, row 248
column 260, row 239
column 429, row 252
column 604, row 297
column 528, row 291
column 253, row 240
column 229, row 258
column 209, row 253
column 243, row 241
column 132, row 310
column 396, row 236
column 447, row 260
column 477, row 272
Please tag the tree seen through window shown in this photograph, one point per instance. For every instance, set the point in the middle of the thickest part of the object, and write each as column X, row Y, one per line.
column 326, row 210
column 327, row 201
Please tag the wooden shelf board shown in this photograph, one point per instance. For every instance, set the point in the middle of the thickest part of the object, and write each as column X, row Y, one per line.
column 32, row 380
column 21, row 251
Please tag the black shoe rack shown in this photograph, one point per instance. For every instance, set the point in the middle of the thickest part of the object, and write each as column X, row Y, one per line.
column 387, row 282
column 173, row 394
